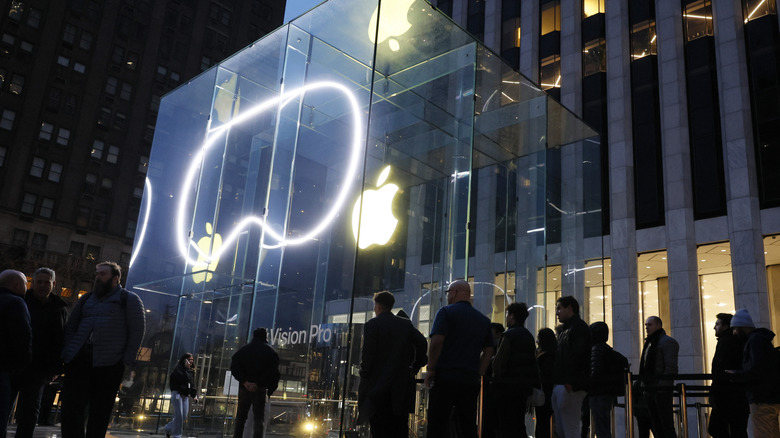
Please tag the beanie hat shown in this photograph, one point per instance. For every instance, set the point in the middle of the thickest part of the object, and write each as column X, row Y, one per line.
column 742, row 319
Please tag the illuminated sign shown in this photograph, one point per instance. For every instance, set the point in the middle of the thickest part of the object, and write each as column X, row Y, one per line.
column 394, row 22
column 372, row 219
column 205, row 244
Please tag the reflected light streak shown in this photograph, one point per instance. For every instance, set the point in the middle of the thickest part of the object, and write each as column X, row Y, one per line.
column 148, row 204
column 185, row 242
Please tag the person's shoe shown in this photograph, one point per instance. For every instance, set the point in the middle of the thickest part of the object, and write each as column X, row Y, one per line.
column 167, row 433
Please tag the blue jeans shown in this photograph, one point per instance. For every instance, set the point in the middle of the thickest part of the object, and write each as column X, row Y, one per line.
column 601, row 410
column 181, row 406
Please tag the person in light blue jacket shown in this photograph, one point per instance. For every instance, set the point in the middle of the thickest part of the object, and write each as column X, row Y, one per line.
column 102, row 337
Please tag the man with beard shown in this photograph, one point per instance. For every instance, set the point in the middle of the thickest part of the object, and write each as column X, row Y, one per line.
column 102, row 336
column 48, row 313
column 729, row 416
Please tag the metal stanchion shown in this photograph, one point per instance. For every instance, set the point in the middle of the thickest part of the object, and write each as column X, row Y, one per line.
column 683, row 410
column 629, row 405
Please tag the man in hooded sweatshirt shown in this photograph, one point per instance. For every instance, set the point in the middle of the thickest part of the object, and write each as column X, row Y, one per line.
column 761, row 375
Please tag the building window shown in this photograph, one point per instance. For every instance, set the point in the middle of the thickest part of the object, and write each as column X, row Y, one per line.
column 550, row 73
column 104, row 118
column 118, row 55
column 17, row 84
column 39, row 242
column 643, row 40
column 3, row 75
column 26, row 46
column 127, row 91
column 155, row 103
column 8, row 39
column 69, row 35
column 20, row 237
column 76, row 248
column 55, row 172
column 132, row 60
column 205, row 63
column 97, row 149
column 130, row 230
column 752, row 9
column 93, row 252
column 716, row 287
column 111, row 84
column 63, row 61
column 34, row 18
column 551, row 17
column 138, row 192
column 28, row 203
column 54, row 98
column 592, row 7
column 86, row 41
column 36, row 169
column 47, row 208
column 113, row 154
column 105, row 185
column 7, row 121
column 70, row 104
column 63, row 136
column 697, row 19
column 90, row 185
column 47, row 129
column 119, row 121
column 594, row 57
column 143, row 164
column 79, row 67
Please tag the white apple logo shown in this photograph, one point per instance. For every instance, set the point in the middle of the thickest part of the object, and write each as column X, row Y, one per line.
column 373, row 220
column 394, row 22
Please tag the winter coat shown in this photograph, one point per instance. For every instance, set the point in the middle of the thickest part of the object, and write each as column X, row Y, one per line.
column 514, row 365
column 572, row 361
column 181, row 381
column 258, row 363
column 760, row 368
column 725, row 394
column 15, row 332
column 603, row 379
column 48, row 329
column 659, row 356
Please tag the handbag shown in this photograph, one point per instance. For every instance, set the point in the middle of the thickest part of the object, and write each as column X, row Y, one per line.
column 536, row 398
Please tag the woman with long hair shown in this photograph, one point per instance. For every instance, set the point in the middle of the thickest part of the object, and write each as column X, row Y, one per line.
column 545, row 357
column 181, row 391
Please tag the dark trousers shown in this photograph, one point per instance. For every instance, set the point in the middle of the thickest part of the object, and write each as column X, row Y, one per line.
column 255, row 400
column 510, row 402
column 88, row 388
column 385, row 424
column 28, row 385
column 728, row 423
column 456, row 398
column 5, row 401
column 661, row 409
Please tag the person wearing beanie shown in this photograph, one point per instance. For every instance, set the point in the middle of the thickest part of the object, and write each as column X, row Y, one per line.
column 760, row 374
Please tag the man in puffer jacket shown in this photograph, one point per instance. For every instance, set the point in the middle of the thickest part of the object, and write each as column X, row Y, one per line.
column 761, row 375
column 659, row 357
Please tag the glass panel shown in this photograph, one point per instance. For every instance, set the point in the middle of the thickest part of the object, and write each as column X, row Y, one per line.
column 653, row 276
column 592, row 7
column 594, row 57
column 551, row 17
column 753, row 9
column 717, row 292
column 697, row 19
column 643, row 40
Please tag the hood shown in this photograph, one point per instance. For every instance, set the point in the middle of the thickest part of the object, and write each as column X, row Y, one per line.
column 764, row 333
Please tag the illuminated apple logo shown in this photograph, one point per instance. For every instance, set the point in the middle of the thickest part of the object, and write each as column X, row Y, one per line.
column 373, row 222
column 394, row 22
column 205, row 248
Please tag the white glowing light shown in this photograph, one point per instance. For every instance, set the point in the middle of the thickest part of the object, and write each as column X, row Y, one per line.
column 373, row 222
column 393, row 23
column 140, row 239
column 185, row 242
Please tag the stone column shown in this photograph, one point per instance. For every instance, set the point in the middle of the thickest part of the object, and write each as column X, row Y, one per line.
column 571, row 55
column 529, row 40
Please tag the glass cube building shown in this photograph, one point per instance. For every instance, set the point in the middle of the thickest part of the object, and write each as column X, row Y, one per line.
column 362, row 147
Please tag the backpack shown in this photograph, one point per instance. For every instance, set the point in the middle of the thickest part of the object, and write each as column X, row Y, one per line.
column 617, row 365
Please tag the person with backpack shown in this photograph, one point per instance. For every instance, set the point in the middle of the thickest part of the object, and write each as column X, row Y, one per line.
column 607, row 367
column 760, row 374
column 102, row 337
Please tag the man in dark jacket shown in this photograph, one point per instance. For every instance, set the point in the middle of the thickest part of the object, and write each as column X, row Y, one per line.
column 48, row 313
column 659, row 357
column 761, row 375
column 15, row 337
column 514, row 372
column 729, row 416
column 571, row 370
column 392, row 354
column 256, row 367
column 606, row 380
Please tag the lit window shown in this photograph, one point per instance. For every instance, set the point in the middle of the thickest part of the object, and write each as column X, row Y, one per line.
column 643, row 40
column 113, row 154
column 16, row 10
column 69, row 35
column 550, row 72
column 551, row 17
column 143, row 164
column 46, row 131
column 97, row 150
column 36, row 169
column 17, row 84
column 7, row 121
column 63, row 61
column 86, row 41
column 63, row 136
column 34, row 18
column 55, row 172
column 79, row 67
column 592, row 7
column 28, row 203
column 752, row 9
column 111, row 84
column 47, row 208
column 594, row 57
column 697, row 19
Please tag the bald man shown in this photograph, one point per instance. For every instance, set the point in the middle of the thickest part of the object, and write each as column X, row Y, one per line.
column 459, row 353
column 15, row 336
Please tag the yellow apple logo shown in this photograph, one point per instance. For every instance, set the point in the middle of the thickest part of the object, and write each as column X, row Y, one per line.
column 372, row 219
column 205, row 248
column 394, row 22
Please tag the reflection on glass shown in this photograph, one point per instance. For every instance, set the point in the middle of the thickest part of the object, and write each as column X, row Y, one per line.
column 697, row 19
column 752, row 9
column 594, row 57
column 510, row 33
column 643, row 40
column 592, row 7
column 551, row 16
column 550, row 72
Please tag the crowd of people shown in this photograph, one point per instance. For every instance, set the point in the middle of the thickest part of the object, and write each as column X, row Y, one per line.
column 578, row 373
